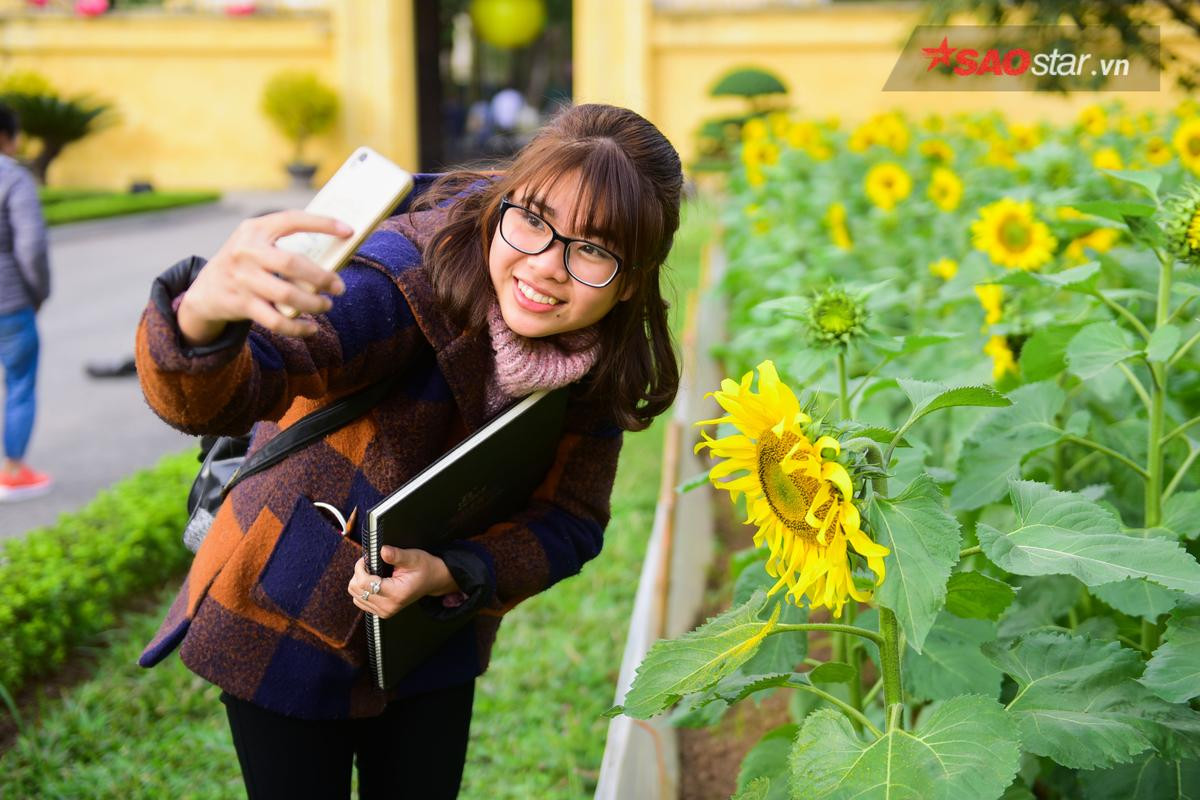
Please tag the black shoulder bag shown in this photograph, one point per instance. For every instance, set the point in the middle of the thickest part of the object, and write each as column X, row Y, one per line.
column 224, row 462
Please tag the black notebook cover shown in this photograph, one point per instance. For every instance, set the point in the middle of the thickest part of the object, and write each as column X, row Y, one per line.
column 484, row 479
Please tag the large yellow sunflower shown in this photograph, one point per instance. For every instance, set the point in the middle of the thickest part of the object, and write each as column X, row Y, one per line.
column 887, row 184
column 945, row 189
column 1158, row 152
column 1187, row 143
column 799, row 497
column 1011, row 236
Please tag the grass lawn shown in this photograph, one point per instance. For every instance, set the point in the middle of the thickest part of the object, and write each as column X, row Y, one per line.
column 536, row 731
column 74, row 205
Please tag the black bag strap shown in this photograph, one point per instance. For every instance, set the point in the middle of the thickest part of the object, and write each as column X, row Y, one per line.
column 310, row 428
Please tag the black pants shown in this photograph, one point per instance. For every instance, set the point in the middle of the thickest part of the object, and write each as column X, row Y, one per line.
column 414, row 749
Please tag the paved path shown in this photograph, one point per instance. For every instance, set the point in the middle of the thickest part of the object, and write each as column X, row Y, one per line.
column 90, row 433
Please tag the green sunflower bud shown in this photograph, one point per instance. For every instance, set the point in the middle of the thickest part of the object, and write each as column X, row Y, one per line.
column 1181, row 223
column 835, row 318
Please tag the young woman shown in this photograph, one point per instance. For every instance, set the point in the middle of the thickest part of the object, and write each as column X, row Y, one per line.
column 544, row 275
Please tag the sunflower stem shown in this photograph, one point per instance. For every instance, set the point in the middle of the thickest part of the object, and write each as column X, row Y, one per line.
column 1108, row 451
column 1136, row 384
column 829, row 626
column 854, row 659
column 1154, row 451
column 874, row 690
column 889, row 657
column 1179, row 474
column 1183, row 427
column 853, row 713
column 843, row 392
column 970, row 551
column 1126, row 313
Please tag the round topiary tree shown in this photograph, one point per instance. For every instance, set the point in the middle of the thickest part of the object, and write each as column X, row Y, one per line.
column 752, row 83
column 300, row 106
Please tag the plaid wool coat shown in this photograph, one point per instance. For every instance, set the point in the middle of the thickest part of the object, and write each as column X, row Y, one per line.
column 264, row 612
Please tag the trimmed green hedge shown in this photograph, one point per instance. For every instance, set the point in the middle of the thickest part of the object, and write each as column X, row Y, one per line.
column 74, row 205
column 60, row 585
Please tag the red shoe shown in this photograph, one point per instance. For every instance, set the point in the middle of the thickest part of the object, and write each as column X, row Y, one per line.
column 26, row 484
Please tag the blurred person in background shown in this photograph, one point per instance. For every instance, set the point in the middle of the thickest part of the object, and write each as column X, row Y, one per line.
column 24, row 286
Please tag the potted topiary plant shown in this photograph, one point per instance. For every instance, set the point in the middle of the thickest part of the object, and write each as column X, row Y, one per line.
column 300, row 106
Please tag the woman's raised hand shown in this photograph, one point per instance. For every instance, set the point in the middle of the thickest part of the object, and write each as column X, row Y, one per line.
column 249, row 277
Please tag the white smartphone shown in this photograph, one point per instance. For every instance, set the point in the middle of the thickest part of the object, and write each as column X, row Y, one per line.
column 361, row 193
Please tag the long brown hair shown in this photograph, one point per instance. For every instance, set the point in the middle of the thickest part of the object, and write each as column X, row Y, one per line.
column 630, row 186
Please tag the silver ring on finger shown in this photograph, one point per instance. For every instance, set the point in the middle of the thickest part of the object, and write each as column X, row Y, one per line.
column 366, row 595
column 375, row 587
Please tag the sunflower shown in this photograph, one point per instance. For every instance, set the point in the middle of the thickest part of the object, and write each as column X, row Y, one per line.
column 1158, row 152
column 1187, row 143
column 1024, row 137
column 1181, row 224
column 887, row 184
column 1003, row 361
column 937, row 150
column 1094, row 120
column 999, row 154
column 1009, row 233
column 944, row 268
column 991, row 297
column 755, row 154
column 835, row 218
column 801, row 499
column 945, row 189
column 1100, row 240
column 1107, row 158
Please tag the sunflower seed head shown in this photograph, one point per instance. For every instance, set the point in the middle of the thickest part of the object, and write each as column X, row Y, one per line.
column 1181, row 224
column 835, row 318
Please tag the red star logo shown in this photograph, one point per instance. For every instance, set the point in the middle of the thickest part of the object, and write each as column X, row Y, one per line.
column 938, row 55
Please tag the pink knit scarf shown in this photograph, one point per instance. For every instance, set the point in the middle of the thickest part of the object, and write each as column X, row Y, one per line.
column 524, row 365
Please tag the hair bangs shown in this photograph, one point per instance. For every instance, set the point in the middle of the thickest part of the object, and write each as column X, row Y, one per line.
column 614, row 207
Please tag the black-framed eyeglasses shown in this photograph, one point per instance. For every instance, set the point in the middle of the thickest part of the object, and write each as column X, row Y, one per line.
column 586, row 262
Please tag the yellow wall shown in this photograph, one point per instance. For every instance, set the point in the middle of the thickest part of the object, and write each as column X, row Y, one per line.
column 834, row 58
column 188, row 89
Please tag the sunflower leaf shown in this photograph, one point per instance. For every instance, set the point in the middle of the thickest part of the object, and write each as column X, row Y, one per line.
column 757, row 789
column 698, row 659
column 994, row 450
column 1076, row 279
column 832, row 672
column 1138, row 597
column 1173, row 672
column 1149, row 777
column 1114, row 210
column 1098, row 347
column 928, row 397
column 1044, row 355
column 973, row 595
column 1078, row 700
column 1181, row 514
column 966, row 747
column 767, row 761
column 1150, row 181
column 1162, row 343
column 1066, row 534
column 951, row 663
column 924, row 541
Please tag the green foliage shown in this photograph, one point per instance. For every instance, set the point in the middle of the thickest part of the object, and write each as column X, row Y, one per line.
column 973, row 595
column 951, row 662
column 1078, row 701
column 924, row 540
column 58, row 122
column 966, row 747
column 300, row 106
column 748, row 82
column 1173, row 673
column 1064, row 533
column 60, row 585
column 61, row 208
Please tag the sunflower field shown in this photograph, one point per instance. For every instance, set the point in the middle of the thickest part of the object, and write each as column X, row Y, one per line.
column 962, row 433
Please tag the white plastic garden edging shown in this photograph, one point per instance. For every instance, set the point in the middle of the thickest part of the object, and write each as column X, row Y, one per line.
column 641, row 759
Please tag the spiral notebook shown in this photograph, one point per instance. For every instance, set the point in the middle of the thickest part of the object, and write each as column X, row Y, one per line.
column 484, row 479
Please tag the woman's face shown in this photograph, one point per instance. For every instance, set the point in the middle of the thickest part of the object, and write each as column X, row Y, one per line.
column 516, row 275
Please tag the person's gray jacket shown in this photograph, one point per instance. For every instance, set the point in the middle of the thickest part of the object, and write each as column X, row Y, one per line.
column 24, row 263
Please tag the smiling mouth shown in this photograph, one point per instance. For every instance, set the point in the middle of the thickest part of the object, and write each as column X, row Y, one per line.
column 532, row 294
